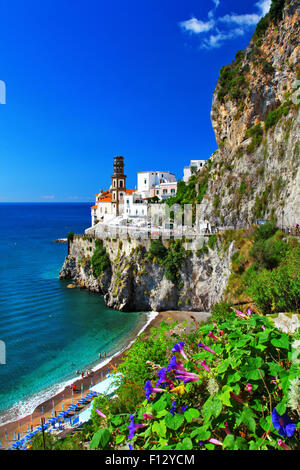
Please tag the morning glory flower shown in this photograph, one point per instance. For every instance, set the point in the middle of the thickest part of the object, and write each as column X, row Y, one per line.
column 183, row 408
column 249, row 388
column 173, row 408
column 148, row 416
column 211, row 335
column 173, row 364
column 283, row 445
column 149, row 389
column 206, row 348
column 203, row 364
column 130, row 447
column 162, row 375
column 249, row 311
column 227, row 430
column 133, row 427
column 186, row 376
column 101, row 414
column 285, row 426
column 240, row 314
column 178, row 347
column 212, row 441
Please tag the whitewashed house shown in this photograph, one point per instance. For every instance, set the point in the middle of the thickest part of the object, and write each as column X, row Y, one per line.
column 195, row 165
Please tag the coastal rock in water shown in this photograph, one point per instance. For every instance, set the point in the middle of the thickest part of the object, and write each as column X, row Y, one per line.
column 133, row 283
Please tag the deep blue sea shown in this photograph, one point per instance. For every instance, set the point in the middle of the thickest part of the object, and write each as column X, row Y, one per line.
column 49, row 331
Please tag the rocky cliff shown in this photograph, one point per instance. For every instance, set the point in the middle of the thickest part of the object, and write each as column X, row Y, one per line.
column 255, row 173
column 133, row 282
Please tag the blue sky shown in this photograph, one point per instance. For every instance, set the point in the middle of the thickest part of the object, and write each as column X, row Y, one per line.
column 88, row 80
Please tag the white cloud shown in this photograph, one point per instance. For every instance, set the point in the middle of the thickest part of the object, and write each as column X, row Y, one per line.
column 234, row 25
column 197, row 26
column 48, row 197
column 263, row 6
column 216, row 40
column 248, row 20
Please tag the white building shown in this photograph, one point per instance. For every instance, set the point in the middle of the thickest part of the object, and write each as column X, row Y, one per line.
column 149, row 180
column 195, row 165
column 135, row 206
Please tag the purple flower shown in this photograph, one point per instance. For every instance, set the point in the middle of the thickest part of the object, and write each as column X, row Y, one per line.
column 130, row 447
column 173, row 408
column 212, row 441
column 178, row 347
column 149, row 389
column 203, row 364
column 173, row 364
column 100, row 414
column 162, row 377
column 183, row 408
column 133, row 427
column 186, row 376
column 249, row 311
column 285, row 426
column 206, row 347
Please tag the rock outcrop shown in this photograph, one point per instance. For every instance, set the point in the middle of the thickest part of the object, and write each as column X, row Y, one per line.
column 134, row 283
column 255, row 173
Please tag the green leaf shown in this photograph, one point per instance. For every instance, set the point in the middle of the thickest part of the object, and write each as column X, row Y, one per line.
column 160, row 404
column 281, row 407
column 233, row 378
column 250, row 369
column 119, row 439
column 191, row 414
column 224, row 365
column 100, row 439
column 212, row 407
column 174, row 422
column 265, row 423
column 160, row 428
column 202, row 433
column 282, row 342
column 186, row 444
column 228, row 442
column 224, row 396
column 247, row 417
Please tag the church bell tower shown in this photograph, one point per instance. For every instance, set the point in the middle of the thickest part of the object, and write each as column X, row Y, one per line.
column 118, row 188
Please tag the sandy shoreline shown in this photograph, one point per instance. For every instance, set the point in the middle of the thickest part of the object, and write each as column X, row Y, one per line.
column 64, row 398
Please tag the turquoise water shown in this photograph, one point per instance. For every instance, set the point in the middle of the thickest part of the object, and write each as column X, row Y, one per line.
column 49, row 331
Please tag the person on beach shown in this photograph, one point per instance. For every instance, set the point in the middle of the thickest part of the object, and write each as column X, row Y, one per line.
column 104, row 354
column 99, row 354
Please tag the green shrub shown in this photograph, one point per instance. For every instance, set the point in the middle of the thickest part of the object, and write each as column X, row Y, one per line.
column 100, row 259
column 265, row 231
column 256, row 132
column 274, row 116
column 220, row 312
column 212, row 241
column 174, row 261
column 157, row 250
column 278, row 290
column 269, row 253
column 70, row 236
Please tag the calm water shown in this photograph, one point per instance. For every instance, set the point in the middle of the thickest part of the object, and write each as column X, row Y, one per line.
column 44, row 325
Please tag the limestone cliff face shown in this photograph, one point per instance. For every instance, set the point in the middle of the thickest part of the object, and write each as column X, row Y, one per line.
column 133, row 283
column 255, row 173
